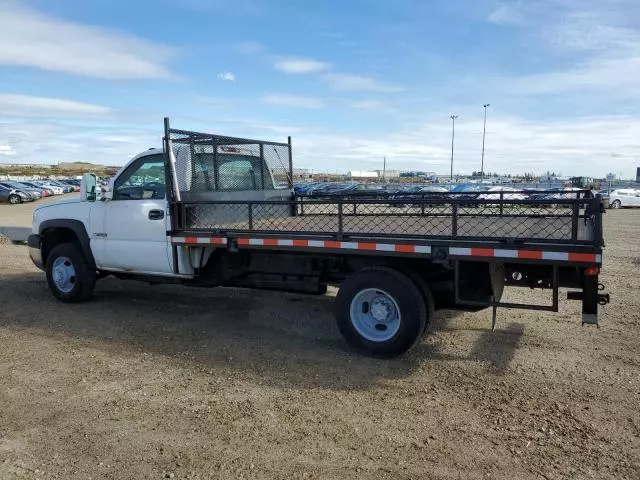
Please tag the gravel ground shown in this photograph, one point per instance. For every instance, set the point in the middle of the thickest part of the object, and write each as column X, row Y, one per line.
column 168, row 382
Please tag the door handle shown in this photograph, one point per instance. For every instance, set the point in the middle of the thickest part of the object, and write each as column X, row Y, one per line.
column 156, row 214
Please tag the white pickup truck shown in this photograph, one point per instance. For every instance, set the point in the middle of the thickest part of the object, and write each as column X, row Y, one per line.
column 209, row 210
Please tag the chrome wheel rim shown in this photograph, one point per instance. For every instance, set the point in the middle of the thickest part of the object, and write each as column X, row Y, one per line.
column 375, row 315
column 64, row 274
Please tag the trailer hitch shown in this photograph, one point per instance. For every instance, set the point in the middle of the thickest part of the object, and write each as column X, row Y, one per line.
column 603, row 299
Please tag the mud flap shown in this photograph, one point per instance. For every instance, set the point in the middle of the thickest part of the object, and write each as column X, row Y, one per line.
column 590, row 300
column 496, row 273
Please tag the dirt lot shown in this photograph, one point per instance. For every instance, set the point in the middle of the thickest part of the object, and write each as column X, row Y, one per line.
column 168, row 382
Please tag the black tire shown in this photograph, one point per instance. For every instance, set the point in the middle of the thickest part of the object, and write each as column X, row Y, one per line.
column 15, row 199
column 615, row 204
column 427, row 296
column 84, row 279
column 407, row 296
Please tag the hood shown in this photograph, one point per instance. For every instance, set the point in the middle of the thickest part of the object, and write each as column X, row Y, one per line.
column 66, row 201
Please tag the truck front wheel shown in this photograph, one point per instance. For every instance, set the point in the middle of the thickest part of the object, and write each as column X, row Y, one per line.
column 69, row 276
column 380, row 312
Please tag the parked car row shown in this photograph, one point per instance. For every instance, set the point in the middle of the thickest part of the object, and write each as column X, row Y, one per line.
column 620, row 198
column 408, row 192
column 15, row 192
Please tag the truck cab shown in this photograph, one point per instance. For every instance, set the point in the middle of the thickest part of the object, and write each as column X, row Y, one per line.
column 125, row 228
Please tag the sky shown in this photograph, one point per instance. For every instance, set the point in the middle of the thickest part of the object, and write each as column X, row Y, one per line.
column 351, row 81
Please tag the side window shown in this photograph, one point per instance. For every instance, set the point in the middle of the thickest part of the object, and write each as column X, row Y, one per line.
column 142, row 180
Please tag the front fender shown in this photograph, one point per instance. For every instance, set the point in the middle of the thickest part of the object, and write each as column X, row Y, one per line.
column 75, row 226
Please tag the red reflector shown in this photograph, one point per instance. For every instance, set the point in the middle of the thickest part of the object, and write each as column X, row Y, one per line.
column 591, row 271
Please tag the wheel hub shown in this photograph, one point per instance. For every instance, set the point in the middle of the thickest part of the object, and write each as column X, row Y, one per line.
column 381, row 310
column 64, row 274
column 375, row 314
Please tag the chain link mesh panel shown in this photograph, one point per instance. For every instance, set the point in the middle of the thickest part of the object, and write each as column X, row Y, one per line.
column 215, row 163
column 210, row 168
column 547, row 222
column 414, row 219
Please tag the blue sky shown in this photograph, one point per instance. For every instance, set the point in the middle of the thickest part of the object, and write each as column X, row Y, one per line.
column 351, row 81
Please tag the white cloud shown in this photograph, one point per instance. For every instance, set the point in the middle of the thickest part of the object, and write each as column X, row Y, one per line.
column 507, row 15
column 295, row 101
column 47, row 142
column 7, row 151
column 301, row 65
column 583, row 146
column 227, row 76
column 374, row 105
column 601, row 52
column 32, row 39
column 616, row 77
column 355, row 83
column 584, row 31
column 28, row 106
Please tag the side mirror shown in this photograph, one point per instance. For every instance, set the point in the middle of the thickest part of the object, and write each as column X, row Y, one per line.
column 88, row 187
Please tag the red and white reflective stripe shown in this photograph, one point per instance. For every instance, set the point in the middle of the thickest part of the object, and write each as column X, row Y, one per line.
column 334, row 244
column 199, row 240
column 526, row 254
column 407, row 248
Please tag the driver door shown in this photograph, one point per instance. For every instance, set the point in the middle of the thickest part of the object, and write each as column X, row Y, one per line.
column 135, row 220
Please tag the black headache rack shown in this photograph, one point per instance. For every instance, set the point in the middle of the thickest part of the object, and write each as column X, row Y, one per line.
column 565, row 223
column 201, row 162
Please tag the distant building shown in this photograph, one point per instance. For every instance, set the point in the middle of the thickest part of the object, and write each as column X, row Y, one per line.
column 388, row 173
column 362, row 175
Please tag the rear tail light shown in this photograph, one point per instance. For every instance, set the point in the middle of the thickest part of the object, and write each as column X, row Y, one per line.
column 592, row 271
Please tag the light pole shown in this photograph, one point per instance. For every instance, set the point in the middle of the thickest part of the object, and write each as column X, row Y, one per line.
column 453, row 136
column 484, row 133
column 384, row 168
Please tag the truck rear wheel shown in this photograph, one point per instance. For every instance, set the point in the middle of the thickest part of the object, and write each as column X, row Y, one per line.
column 423, row 286
column 69, row 276
column 380, row 312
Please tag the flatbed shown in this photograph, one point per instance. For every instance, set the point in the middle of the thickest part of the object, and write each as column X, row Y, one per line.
column 210, row 210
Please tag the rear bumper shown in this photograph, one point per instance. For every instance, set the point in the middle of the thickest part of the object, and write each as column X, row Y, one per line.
column 35, row 252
